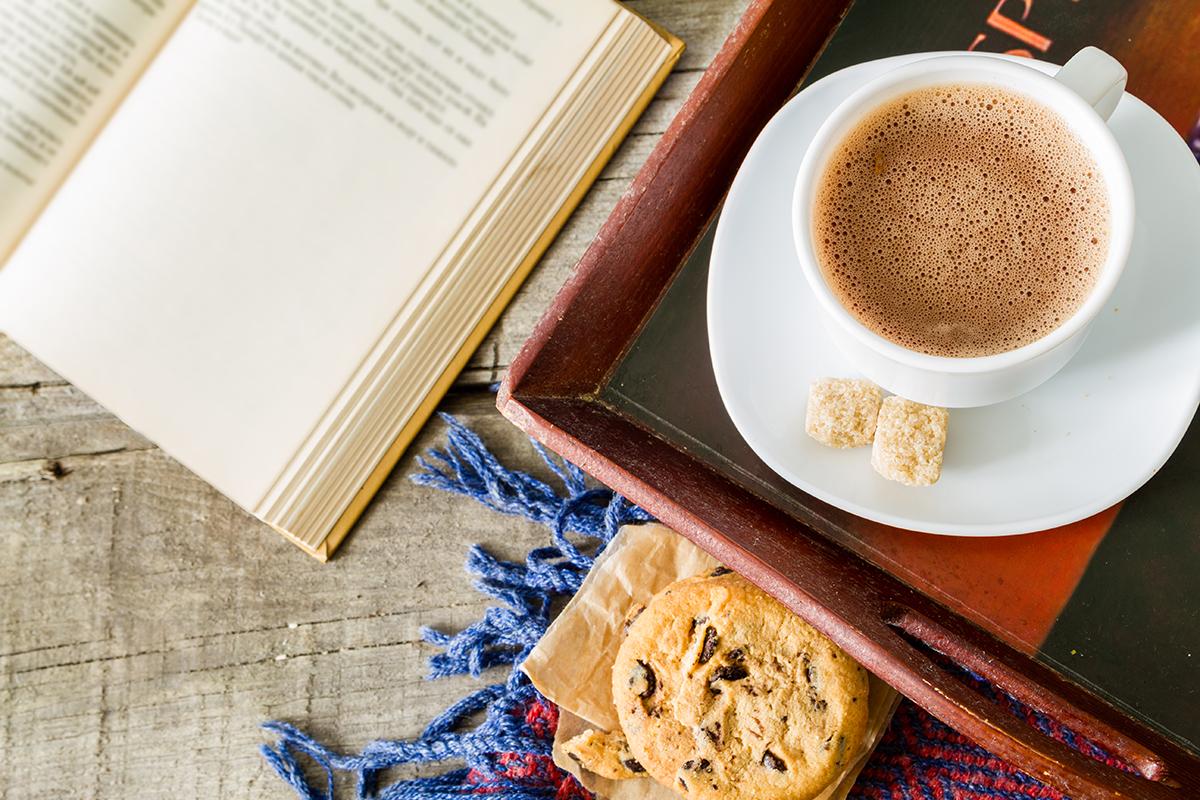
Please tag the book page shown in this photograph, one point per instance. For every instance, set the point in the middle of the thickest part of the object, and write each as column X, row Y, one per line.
column 64, row 65
column 272, row 191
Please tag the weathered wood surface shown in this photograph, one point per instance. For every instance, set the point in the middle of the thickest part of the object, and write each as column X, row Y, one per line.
column 147, row 625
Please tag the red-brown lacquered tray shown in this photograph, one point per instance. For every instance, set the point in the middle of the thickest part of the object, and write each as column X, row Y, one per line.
column 1094, row 624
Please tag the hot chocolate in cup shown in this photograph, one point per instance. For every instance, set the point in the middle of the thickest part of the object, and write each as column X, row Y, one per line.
column 963, row 219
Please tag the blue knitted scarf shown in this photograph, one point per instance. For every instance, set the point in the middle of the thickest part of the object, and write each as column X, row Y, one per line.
column 504, row 636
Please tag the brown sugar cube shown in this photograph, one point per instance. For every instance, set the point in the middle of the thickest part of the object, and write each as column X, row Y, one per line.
column 909, row 442
column 842, row 411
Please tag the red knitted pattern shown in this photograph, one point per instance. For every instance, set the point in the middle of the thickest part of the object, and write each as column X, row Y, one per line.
column 918, row 758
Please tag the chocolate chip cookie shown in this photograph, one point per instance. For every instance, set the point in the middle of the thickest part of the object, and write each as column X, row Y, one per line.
column 724, row 693
column 606, row 754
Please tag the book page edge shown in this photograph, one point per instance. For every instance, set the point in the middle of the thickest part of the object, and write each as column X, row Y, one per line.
column 383, row 468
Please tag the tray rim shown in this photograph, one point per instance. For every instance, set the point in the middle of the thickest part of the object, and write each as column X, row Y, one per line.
column 553, row 391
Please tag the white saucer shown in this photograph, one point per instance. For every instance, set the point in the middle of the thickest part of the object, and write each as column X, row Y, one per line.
column 1078, row 444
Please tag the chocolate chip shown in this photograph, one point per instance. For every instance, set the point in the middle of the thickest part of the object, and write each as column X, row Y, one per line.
column 684, row 785
column 730, row 672
column 575, row 758
column 642, row 680
column 689, row 764
column 629, row 620
column 828, row 739
column 719, row 571
column 784, row 719
column 713, row 732
column 709, row 647
column 632, row 765
column 772, row 761
column 726, row 672
column 736, row 654
column 820, row 705
column 810, row 674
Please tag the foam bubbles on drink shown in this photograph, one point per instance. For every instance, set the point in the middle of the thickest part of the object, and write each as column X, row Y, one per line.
column 961, row 220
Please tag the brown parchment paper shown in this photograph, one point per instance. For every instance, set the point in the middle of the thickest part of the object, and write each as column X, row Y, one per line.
column 572, row 664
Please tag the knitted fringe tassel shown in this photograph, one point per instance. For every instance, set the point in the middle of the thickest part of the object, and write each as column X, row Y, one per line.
column 511, row 729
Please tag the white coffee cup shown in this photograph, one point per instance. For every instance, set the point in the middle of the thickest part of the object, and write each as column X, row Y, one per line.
column 1084, row 93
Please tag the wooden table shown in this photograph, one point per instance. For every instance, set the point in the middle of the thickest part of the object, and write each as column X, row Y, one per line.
column 148, row 625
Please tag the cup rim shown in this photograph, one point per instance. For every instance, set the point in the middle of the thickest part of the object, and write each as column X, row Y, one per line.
column 970, row 68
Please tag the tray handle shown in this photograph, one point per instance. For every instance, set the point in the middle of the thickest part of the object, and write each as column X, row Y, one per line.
column 962, row 707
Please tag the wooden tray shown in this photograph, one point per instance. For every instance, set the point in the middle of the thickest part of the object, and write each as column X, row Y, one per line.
column 586, row 385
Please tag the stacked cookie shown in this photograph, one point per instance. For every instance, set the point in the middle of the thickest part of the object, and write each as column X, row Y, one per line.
column 722, row 692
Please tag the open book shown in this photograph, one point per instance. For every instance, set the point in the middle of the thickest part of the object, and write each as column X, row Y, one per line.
column 268, row 234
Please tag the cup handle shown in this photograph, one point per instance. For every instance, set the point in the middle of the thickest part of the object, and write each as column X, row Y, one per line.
column 1095, row 76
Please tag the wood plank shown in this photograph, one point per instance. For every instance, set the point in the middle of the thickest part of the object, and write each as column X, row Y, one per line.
column 149, row 622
